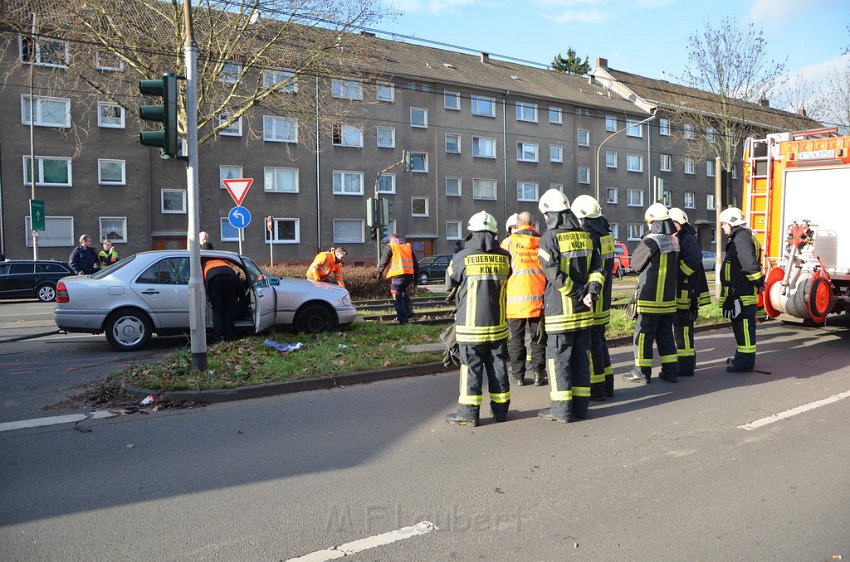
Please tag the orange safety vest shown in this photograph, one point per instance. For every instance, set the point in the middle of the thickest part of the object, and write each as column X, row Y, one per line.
column 402, row 260
column 527, row 282
column 323, row 266
column 210, row 264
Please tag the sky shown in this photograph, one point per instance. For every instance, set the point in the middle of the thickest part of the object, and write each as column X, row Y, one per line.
column 646, row 37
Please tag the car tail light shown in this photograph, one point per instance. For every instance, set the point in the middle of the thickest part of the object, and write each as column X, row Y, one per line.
column 62, row 292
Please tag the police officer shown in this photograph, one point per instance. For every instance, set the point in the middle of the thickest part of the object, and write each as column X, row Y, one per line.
column 398, row 264
column 575, row 279
column 223, row 285
column 525, row 300
column 83, row 259
column 656, row 259
column 479, row 273
column 588, row 211
column 741, row 278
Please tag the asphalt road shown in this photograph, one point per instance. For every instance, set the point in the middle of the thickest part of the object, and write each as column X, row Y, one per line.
column 662, row 472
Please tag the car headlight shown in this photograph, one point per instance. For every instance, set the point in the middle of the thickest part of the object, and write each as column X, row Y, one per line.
column 346, row 300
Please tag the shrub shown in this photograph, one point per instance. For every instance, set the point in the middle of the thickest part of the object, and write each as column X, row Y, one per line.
column 359, row 280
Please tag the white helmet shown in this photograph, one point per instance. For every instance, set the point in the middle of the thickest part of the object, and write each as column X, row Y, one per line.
column 553, row 201
column 678, row 215
column 586, row 206
column 732, row 216
column 482, row 221
column 511, row 223
column 656, row 212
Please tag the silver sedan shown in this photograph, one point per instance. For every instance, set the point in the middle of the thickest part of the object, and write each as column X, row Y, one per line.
column 148, row 293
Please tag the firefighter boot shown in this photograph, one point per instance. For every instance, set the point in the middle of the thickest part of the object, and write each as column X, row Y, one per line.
column 639, row 375
column 669, row 372
column 500, row 410
column 466, row 416
column 609, row 385
column 539, row 377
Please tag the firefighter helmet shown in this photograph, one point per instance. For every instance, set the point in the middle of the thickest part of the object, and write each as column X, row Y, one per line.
column 511, row 223
column 481, row 222
column 553, row 201
column 678, row 215
column 656, row 212
column 732, row 216
column 586, row 206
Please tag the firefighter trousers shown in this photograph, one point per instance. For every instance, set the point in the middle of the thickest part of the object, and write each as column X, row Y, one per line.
column 568, row 366
column 601, row 371
column 477, row 360
column 744, row 328
column 535, row 353
column 401, row 299
column 683, row 331
column 656, row 328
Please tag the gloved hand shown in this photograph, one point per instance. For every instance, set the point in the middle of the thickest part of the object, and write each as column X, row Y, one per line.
column 732, row 307
column 693, row 311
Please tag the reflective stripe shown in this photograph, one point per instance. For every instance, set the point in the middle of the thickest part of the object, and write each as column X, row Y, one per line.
column 669, row 359
column 500, row 398
column 531, row 298
column 402, row 260
column 543, row 254
column 464, row 398
column 554, row 393
column 527, row 272
column 581, row 391
column 576, row 253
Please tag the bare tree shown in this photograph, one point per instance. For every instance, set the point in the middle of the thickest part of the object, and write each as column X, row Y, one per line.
column 252, row 53
column 834, row 108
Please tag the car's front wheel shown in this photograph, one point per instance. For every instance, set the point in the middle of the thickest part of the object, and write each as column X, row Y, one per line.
column 46, row 293
column 423, row 278
column 128, row 329
column 314, row 319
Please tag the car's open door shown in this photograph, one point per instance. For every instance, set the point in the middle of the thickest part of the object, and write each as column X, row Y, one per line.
column 263, row 296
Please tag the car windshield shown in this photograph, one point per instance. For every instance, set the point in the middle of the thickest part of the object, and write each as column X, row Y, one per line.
column 112, row 268
column 429, row 259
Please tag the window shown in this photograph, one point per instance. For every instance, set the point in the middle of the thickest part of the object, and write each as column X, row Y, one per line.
column 347, row 183
column 418, row 162
column 709, row 201
column 385, row 91
column 666, row 161
column 113, row 228
column 635, row 197
column 633, row 128
column 49, row 171
column 555, row 116
column 452, row 143
column 230, row 72
column 280, row 129
column 610, row 159
column 483, row 106
column 386, row 137
column 287, row 79
column 583, row 174
column 58, row 232
column 453, row 187
column 110, row 115
column 483, row 147
column 667, row 198
column 688, row 131
column 711, row 241
column 418, row 117
column 346, row 89
column 635, row 230
column 558, row 186
column 451, row 100
column 634, row 162
column 173, row 201
column 454, row 230
column 527, row 191
column 689, row 165
column 610, row 123
column 49, row 112
column 348, row 135
column 228, row 173
column 556, row 153
column 425, row 87
column 583, row 137
column 483, row 189
column 612, row 195
column 284, row 231
column 419, row 206
column 111, row 172
column 709, row 134
column 584, row 111
column 709, row 168
column 526, row 112
column 386, row 183
column 232, row 130
column 280, row 180
column 229, row 233
column 526, row 151
column 615, row 231
column 348, row 231
column 108, row 62
column 47, row 52
column 664, row 127
column 690, row 200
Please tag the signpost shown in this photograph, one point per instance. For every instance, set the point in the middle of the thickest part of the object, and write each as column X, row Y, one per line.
column 270, row 228
column 239, row 217
column 36, row 223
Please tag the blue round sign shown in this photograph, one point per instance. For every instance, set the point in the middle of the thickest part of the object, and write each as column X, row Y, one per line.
column 239, row 217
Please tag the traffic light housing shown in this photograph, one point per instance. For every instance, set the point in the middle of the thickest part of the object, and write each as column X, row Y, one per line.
column 166, row 113
column 373, row 233
column 384, row 233
column 406, row 161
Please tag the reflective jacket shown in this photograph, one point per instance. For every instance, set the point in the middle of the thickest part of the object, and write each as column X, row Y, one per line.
column 691, row 275
column 324, row 265
column 603, row 242
column 480, row 272
column 527, row 282
column 107, row 258
column 573, row 269
column 657, row 260
column 741, row 274
column 398, row 259
column 215, row 266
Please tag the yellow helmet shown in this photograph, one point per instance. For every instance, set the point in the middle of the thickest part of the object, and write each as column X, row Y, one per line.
column 732, row 216
column 656, row 212
column 678, row 215
column 482, row 221
column 553, row 201
column 586, row 206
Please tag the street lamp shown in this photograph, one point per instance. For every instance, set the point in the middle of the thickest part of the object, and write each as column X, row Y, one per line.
column 609, row 137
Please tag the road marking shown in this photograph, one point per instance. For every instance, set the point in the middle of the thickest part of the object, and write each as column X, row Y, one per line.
column 57, row 420
column 794, row 411
column 360, row 545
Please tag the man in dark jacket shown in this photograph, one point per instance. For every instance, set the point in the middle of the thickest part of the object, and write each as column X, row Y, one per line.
column 398, row 263
column 223, row 287
column 83, row 259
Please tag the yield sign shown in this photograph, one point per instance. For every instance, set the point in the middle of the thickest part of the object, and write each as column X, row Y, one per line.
column 238, row 188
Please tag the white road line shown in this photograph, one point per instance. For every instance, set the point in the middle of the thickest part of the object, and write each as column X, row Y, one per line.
column 354, row 547
column 794, row 411
column 56, row 420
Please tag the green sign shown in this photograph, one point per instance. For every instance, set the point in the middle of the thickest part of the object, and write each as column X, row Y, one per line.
column 37, row 214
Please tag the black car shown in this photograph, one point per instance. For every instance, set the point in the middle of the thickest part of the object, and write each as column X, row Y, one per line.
column 24, row 279
column 433, row 268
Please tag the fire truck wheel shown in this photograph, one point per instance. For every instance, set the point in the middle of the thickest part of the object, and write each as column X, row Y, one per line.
column 820, row 299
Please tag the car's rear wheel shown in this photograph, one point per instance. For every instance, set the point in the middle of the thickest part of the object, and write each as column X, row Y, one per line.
column 423, row 278
column 46, row 292
column 314, row 319
column 128, row 329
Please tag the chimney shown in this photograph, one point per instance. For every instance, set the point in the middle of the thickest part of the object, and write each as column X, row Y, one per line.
column 485, row 58
column 764, row 102
column 601, row 63
column 802, row 112
column 367, row 34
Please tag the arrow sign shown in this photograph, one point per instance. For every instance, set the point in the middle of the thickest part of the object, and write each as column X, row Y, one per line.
column 37, row 214
column 238, row 188
column 239, row 217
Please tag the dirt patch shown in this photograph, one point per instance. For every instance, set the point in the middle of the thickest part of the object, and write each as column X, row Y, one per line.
column 106, row 394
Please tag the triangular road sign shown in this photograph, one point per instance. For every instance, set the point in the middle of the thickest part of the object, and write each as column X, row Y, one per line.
column 238, row 188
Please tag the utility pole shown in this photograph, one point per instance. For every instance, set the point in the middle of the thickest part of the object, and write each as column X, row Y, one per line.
column 718, row 232
column 33, row 51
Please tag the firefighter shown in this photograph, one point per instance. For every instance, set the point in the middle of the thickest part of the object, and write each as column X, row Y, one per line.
column 510, row 225
column 108, row 255
column 656, row 259
column 588, row 211
column 525, row 300
column 691, row 292
column 479, row 274
column 327, row 267
column 574, row 281
column 398, row 264
column 222, row 284
column 741, row 279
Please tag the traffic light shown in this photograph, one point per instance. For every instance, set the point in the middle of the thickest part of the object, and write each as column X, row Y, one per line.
column 386, row 210
column 371, row 213
column 406, row 161
column 384, row 232
column 373, row 233
column 165, row 138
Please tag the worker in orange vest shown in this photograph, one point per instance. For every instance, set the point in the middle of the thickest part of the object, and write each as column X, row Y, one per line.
column 222, row 285
column 327, row 267
column 398, row 264
column 525, row 289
